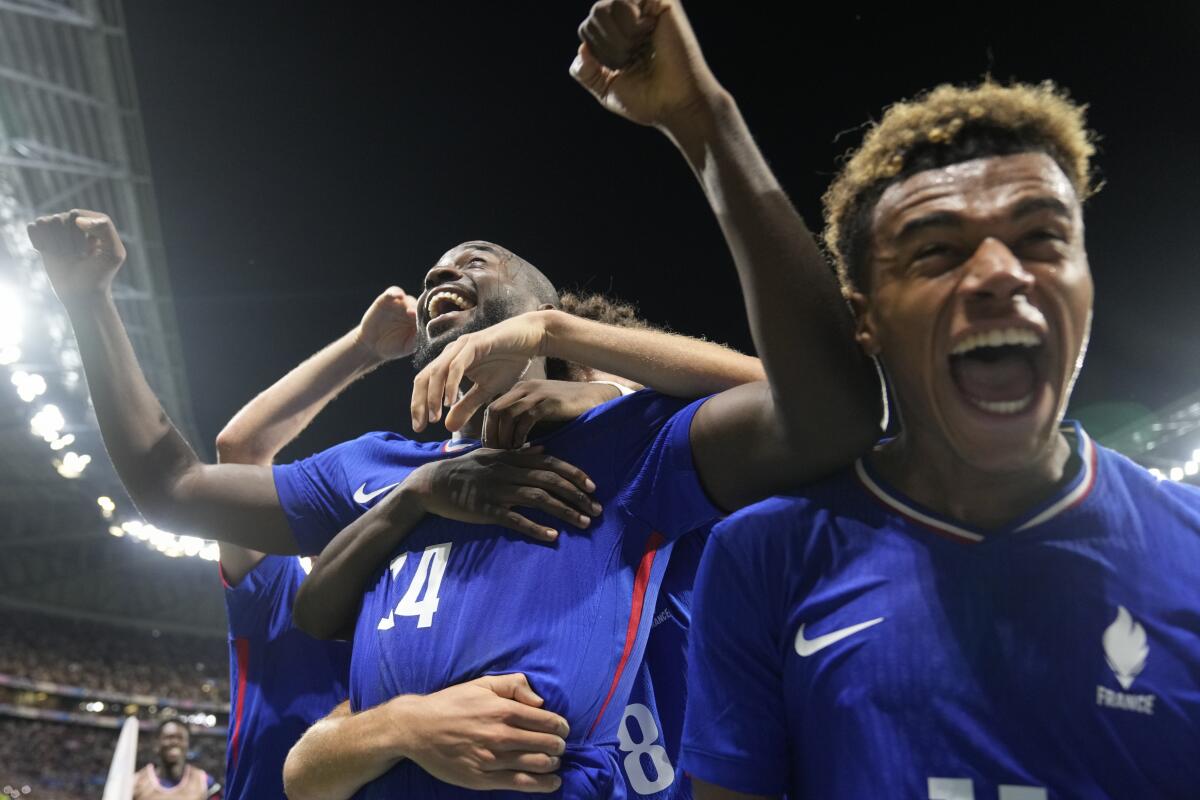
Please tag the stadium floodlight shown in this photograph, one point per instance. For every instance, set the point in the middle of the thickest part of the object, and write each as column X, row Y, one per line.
column 1191, row 468
column 47, row 423
column 62, row 441
column 116, row 530
column 107, row 506
column 72, row 464
column 10, row 354
column 29, row 385
column 1157, row 473
column 1176, row 473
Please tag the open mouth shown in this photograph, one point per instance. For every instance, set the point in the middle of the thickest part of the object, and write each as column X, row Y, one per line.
column 999, row 371
column 445, row 305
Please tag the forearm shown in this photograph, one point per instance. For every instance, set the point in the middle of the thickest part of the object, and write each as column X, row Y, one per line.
column 149, row 454
column 343, row 752
column 801, row 325
column 278, row 415
column 669, row 363
column 329, row 598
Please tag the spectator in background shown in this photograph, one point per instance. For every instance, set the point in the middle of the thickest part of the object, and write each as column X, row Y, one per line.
column 173, row 778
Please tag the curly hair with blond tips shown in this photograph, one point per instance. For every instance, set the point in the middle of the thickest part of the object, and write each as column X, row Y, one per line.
column 948, row 125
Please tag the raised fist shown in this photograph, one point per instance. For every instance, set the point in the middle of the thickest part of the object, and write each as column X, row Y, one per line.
column 641, row 60
column 81, row 250
column 389, row 328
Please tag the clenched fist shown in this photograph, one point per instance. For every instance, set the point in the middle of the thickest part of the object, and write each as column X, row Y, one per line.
column 80, row 249
column 641, row 60
column 389, row 328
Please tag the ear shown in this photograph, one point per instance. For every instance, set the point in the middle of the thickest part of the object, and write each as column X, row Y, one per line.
column 864, row 323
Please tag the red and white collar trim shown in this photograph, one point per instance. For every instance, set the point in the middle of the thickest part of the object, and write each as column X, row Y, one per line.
column 1079, row 489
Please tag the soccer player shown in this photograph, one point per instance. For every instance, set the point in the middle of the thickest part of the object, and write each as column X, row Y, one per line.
column 343, row 753
column 283, row 680
column 573, row 616
column 173, row 778
column 989, row 605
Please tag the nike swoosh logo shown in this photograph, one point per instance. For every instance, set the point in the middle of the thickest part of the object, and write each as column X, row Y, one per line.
column 451, row 447
column 362, row 496
column 806, row 647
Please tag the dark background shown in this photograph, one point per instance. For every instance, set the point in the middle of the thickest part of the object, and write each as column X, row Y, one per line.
column 308, row 155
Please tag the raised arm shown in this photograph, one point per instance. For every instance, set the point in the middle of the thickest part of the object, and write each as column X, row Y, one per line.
column 641, row 60
column 275, row 417
column 490, row 733
column 170, row 485
column 676, row 365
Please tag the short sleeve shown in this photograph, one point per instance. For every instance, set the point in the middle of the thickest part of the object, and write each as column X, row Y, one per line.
column 735, row 728
column 263, row 597
column 665, row 491
column 315, row 496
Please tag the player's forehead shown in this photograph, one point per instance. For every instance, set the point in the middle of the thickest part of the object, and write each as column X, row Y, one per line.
column 982, row 189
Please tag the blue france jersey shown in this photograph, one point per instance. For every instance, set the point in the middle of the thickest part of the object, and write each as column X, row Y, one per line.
column 458, row 601
column 282, row 680
column 849, row 643
column 651, row 728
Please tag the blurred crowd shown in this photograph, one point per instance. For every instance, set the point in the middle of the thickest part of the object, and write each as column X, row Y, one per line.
column 70, row 762
column 110, row 658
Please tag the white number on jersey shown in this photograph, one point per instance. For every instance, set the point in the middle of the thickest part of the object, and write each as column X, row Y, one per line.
column 428, row 577
column 964, row 789
column 664, row 773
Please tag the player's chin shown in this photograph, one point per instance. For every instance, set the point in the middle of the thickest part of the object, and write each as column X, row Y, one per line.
column 1000, row 437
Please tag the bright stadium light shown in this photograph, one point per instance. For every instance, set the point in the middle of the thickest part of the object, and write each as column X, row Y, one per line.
column 1191, row 468
column 1157, row 473
column 72, row 464
column 47, row 423
column 116, row 530
column 107, row 506
column 29, row 385
column 1176, row 473
column 10, row 354
column 62, row 441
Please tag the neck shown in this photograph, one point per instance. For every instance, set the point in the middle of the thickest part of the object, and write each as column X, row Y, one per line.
column 173, row 771
column 474, row 427
column 931, row 474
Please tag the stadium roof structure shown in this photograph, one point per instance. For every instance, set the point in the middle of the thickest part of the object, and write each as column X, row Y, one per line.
column 71, row 137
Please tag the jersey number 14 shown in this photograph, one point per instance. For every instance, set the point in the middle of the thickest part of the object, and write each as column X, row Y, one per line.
column 420, row 600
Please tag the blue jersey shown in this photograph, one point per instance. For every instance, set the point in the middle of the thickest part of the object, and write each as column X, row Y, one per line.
column 849, row 643
column 651, row 728
column 459, row 601
column 282, row 679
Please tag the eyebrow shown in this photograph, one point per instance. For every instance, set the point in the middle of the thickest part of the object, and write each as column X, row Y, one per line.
column 936, row 219
column 1035, row 204
column 952, row 220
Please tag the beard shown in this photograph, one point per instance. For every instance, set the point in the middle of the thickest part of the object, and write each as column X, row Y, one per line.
column 488, row 313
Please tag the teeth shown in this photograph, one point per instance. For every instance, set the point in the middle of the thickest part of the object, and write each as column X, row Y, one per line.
column 1022, row 337
column 1004, row 406
column 436, row 311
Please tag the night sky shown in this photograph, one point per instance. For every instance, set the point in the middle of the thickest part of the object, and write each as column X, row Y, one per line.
column 305, row 156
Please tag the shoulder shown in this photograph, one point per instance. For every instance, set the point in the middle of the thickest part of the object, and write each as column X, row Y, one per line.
column 631, row 415
column 784, row 516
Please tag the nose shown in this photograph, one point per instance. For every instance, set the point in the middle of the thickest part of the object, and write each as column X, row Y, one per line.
column 994, row 273
column 441, row 274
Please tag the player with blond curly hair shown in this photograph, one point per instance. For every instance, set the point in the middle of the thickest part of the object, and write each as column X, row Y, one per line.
column 988, row 605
